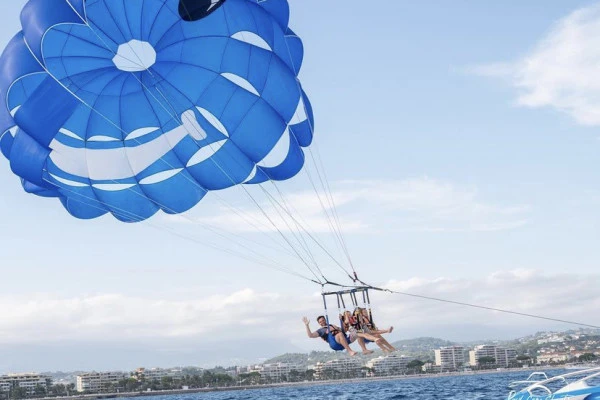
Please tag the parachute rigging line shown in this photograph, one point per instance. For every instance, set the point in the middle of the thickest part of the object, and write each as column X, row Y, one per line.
column 312, row 237
column 326, row 187
column 161, row 158
column 166, row 228
column 167, row 105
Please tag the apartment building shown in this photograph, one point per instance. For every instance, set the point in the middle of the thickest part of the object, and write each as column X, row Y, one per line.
column 98, row 381
column 151, row 374
column 276, row 371
column 552, row 357
column 28, row 381
column 387, row 365
column 345, row 367
column 503, row 357
column 450, row 357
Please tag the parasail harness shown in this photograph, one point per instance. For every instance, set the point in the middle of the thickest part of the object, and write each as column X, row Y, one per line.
column 353, row 295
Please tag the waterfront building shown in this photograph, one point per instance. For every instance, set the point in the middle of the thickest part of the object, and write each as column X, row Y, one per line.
column 276, row 371
column 151, row 374
column 338, row 368
column 248, row 369
column 95, row 382
column 28, row 381
column 502, row 356
column 451, row 357
column 552, row 357
column 387, row 365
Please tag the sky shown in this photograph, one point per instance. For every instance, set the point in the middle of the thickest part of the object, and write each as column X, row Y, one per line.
column 459, row 142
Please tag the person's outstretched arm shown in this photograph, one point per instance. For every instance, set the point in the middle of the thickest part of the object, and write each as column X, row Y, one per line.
column 310, row 334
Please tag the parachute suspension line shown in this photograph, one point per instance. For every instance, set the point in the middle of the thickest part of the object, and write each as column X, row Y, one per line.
column 297, row 234
column 162, row 159
column 326, row 188
column 300, row 238
column 325, row 211
column 460, row 303
column 172, row 113
column 329, row 195
column 329, row 222
column 288, row 209
column 292, row 246
column 177, row 120
column 128, row 214
column 136, row 140
column 329, row 218
column 312, row 237
column 256, row 224
column 174, row 116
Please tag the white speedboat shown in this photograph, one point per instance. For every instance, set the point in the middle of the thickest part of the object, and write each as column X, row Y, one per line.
column 579, row 385
column 533, row 378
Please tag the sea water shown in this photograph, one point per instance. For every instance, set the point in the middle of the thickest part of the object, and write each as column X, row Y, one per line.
column 464, row 387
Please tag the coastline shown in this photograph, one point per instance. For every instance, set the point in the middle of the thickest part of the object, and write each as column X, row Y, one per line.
column 294, row 384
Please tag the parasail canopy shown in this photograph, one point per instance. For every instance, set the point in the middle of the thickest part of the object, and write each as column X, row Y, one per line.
column 131, row 107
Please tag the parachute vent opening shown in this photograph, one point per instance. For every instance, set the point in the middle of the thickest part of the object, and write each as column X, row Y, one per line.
column 194, row 10
column 134, row 56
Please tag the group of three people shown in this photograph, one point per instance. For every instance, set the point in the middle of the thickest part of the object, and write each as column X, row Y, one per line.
column 356, row 326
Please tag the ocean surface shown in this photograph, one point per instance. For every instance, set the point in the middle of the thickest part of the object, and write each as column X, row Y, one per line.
column 463, row 387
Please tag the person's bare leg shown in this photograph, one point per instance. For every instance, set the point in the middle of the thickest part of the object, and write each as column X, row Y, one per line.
column 381, row 341
column 341, row 339
column 363, row 346
column 388, row 345
column 375, row 339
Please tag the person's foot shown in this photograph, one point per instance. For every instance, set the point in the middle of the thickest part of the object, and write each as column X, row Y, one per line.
column 352, row 353
column 367, row 352
column 391, row 329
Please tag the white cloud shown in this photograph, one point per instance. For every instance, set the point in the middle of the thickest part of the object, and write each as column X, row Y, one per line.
column 248, row 314
column 562, row 70
column 105, row 317
column 419, row 204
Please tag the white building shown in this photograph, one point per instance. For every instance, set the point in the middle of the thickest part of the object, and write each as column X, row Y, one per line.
column 97, row 381
column 28, row 381
column 276, row 371
column 450, row 357
column 248, row 369
column 345, row 367
column 151, row 374
column 552, row 338
column 552, row 357
column 503, row 357
column 388, row 365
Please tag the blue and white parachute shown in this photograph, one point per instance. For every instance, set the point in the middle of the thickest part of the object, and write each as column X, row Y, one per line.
column 133, row 106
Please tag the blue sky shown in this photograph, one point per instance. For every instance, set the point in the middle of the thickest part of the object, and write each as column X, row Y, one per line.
column 460, row 143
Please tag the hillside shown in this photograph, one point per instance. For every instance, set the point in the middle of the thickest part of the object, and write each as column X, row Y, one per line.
column 423, row 348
